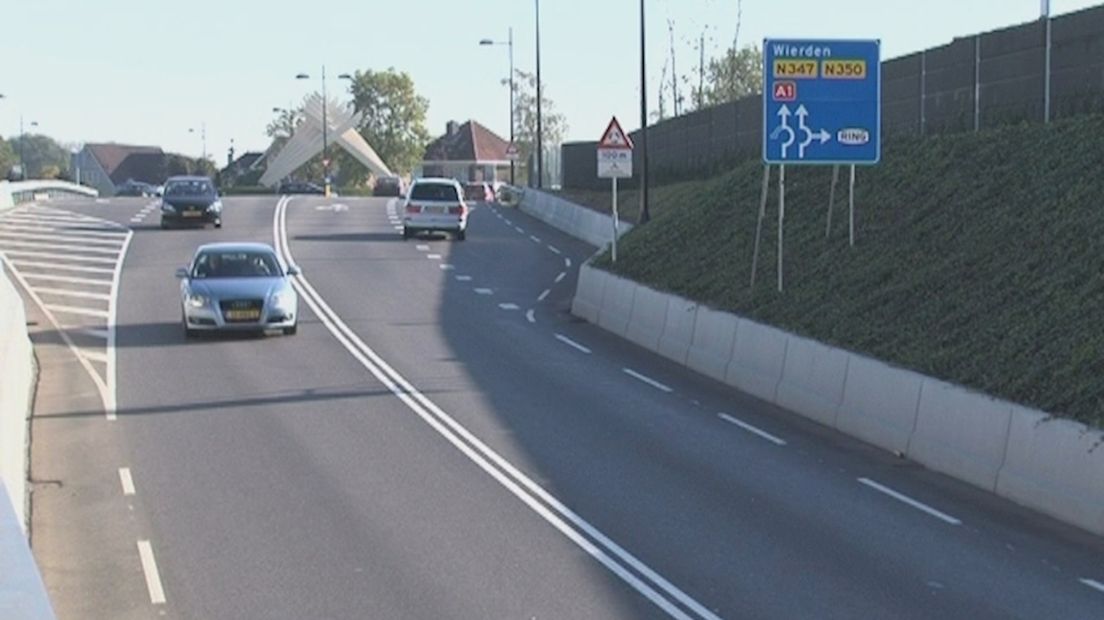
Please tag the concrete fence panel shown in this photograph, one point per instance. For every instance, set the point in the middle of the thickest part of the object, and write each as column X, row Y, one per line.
column 1055, row 466
column 961, row 433
column 714, row 337
column 649, row 315
column 678, row 329
column 617, row 304
column 879, row 403
column 587, row 303
column 813, row 379
column 758, row 356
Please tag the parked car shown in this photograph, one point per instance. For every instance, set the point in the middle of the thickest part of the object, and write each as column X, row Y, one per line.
column 300, row 187
column 237, row 286
column 478, row 192
column 190, row 200
column 388, row 186
column 435, row 204
column 134, row 188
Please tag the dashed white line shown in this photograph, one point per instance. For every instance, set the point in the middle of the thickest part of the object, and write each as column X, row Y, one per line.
column 153, row 577
column 433, row 256
column 422, row 248
column 553, row 249
column 446, row 267
column 535, row 238
column 484, row 291
column 71, row 293
column 95, row 333
column 519, row 229
column 507, row 221
column 559, row 278
column 399, row 227
column 942, row 516
column 529, row 316
column 567, row 263
column 652, row 382
column 752, row 429
column 102, row 314
column 544, row 294
column 571, row 343
column 509, row 306
column 126, row 480
column 1094, row 584
column 463, row 278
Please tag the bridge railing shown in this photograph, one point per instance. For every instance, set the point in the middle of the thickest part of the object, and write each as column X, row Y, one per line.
column 19, row 192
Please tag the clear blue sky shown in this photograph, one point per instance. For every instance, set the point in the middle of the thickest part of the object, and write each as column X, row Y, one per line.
column 145, row 71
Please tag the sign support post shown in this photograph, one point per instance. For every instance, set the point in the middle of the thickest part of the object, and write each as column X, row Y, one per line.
column 832, row 200
column 852, row 209
column 781, row 218
column 615, row 162
column 759, row 226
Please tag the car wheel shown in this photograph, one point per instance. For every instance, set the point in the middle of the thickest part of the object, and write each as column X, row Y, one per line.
column 291, row 331
column 218, row 223
column 461, row 235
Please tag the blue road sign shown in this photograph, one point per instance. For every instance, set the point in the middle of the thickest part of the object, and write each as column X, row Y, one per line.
column 821, row 101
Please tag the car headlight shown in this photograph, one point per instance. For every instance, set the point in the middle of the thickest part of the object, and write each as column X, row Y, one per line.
column 197, row 301
column 283, row 299
column 215, row 206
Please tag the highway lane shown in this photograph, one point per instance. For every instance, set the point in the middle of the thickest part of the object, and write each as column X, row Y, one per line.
column 278, row 478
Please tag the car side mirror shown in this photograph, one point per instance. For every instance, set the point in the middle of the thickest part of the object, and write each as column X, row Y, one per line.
column 182, row 273
column 293, row 271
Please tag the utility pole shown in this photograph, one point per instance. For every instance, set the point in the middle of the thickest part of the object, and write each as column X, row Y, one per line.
column 644, row 215
column 540, row 137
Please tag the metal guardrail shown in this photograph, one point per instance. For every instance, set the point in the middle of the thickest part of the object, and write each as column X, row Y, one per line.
column 19, row 192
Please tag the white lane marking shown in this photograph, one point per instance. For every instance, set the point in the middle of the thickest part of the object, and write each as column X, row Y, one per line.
column 126, row 480
column 484, row 291
column 71, row 293
column 89, row 281
column 102, row 314
column 400, row 227
column 153, row 577
column 544, row 294
column 942, row 516
column 95, row 333
column 32, row 236
column 529, row 316
column 70, row 257
column 519, row 229
column 571, row 343
column 422, row 247
column 553, row 249
column 463, row 278
column 509, row 306
column 63, row 267
column 1092, row 583
column 113, row 307
column 66, row 232
column 94, row 356
column 559, row 278
column 446, row 267
column 508, row 222
column 38, row 245
column 433, row 256
column 102, row 201
column 135, row 220
column 752, row 429
column 45, row 218
column 535, row 238
column 652, row 382
column 644, row 580
column 567, row 263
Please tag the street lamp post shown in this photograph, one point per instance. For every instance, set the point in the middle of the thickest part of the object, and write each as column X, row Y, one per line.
column 510, row 43
column 325, row 125
column 23, row 148
column 644, row 214
column 202, row 136
column 540, row 137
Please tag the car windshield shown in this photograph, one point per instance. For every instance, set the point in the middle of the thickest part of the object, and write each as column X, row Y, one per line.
column 236, row 264
column 434, row 191
column 189, row 188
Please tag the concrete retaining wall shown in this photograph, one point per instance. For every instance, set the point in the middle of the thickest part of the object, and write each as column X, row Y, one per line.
column 1051, row 465
column 586, row 224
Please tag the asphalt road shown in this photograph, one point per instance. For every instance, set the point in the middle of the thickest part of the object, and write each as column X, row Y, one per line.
column 442, row 440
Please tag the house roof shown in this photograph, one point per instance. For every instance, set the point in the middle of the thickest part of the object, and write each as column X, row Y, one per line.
column 246, row 162
column 111, row 155
column 470, row 142
column 147, row 167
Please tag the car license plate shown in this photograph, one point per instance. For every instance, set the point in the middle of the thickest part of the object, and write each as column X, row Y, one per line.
column 192, row 213
column 242, row 315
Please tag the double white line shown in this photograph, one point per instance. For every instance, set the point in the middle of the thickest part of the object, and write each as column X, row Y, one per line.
column 620, row 562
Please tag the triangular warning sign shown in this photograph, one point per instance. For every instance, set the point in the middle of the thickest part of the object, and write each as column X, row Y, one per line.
column 614, row 137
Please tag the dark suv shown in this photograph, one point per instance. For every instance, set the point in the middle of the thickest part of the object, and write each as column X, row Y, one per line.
column 190, row 200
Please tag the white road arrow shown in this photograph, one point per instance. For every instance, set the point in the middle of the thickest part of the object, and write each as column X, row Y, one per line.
column 821, row 135
column 336, row 208
column 784, row 127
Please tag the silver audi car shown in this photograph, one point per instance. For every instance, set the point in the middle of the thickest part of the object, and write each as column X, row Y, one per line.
column 238, row 286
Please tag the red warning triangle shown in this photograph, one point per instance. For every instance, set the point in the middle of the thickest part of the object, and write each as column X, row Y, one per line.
column 614, row 137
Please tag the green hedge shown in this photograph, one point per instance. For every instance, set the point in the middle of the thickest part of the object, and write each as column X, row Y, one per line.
column 979, row 259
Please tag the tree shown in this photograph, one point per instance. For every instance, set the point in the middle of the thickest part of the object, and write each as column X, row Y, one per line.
column 283, row 126
column 41, row 154
column 736, row 74
column 8, row 158
column 553, row 124
column 392, row 121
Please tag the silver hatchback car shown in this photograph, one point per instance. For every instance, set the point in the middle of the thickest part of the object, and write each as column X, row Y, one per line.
column 237, row 286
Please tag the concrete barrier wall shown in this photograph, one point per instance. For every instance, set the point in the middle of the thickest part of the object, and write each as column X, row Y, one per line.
column 580, row 222
column 1054, row 466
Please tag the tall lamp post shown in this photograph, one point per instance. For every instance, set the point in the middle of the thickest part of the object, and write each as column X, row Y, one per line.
column 510, row 43
column 644, row 214
column 202, row 136
column 325, row 125
column 540, row 137
column 23, row 148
